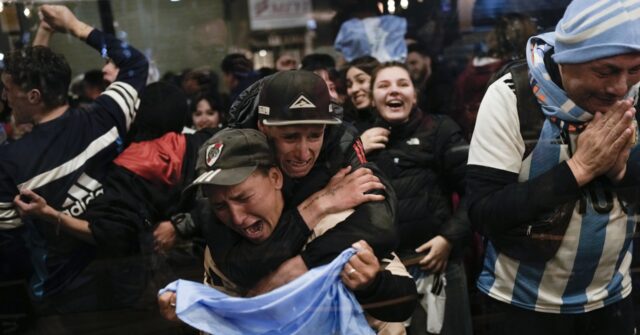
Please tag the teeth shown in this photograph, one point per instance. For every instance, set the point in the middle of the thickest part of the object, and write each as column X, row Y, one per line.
column 254, row 228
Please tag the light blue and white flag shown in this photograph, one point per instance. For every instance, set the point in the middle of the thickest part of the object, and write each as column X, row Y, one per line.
column 315, row 303
column 381, row 37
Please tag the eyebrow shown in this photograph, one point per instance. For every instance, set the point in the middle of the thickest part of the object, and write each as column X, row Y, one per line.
column 613, row 66
column 241, row 195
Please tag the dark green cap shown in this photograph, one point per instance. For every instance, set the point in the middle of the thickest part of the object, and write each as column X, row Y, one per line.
column 230, row 156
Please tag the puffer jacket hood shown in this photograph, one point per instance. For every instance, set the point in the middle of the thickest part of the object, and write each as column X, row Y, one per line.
column 243, row 113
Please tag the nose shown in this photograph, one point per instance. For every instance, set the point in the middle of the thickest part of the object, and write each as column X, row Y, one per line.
column 302, row 151
column 618, row 86
column 238, row 215
column 394, row 90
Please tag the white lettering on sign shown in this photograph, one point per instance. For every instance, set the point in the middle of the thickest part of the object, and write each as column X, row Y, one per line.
column 276, row 14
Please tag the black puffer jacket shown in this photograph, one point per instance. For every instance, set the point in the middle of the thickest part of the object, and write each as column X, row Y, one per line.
column 425, row 161
column 133, row 201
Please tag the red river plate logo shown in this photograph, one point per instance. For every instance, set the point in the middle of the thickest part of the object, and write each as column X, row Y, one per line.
column 213, row 153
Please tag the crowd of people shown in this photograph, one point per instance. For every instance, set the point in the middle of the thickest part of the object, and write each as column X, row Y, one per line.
column 350, row 200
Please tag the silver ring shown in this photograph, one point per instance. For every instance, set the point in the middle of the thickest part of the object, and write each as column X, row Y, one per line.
column 351, row 271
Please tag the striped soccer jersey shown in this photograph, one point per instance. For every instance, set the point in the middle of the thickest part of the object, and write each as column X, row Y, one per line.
column 591, row 267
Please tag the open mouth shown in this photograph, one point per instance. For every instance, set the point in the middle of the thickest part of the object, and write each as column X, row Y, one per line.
column 395, row 104
column 299, row 164
column 255, row 230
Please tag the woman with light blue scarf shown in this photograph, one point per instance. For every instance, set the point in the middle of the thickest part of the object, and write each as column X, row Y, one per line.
column 560, row 218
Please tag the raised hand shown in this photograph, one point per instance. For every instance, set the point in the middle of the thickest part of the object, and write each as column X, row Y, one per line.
column 60, row 18
column 374, row 138
column 602, row 148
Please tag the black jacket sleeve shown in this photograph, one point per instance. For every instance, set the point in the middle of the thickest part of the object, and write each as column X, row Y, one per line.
column 373, row 221
column 390, row 297
column 627, row 189
column 118, row 217
column 133, row 65
column 497, row 202
column 453, row 150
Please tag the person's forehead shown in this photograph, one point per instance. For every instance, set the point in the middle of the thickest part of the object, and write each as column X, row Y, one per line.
column 624, row 60
column 203, row 103
column 392, row 72
column 299, row 128
column 322, row 73
column 414, row 56
column 355, row 71
column 217, row 193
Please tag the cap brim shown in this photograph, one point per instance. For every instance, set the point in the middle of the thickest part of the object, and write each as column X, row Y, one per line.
column 226, row 177
column 267, row 122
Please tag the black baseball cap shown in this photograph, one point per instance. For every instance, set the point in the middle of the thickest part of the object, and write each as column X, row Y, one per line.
column 295, row 97
column 230, row 156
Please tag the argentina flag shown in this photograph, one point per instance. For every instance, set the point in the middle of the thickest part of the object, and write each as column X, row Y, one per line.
column 381, row 37
column 315, row 303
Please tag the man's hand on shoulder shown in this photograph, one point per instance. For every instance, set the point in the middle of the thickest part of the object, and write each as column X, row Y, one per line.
column 345, row 191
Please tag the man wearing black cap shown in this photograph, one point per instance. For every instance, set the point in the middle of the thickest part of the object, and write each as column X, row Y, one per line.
column 311, row 146
column 238, row 174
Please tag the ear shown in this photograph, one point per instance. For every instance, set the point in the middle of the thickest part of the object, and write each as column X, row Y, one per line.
column 263, row 129
column 34, row 96
column 275, row 175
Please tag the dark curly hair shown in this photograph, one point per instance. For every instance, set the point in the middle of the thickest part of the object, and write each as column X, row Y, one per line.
column 42, row 69
column 236, row 64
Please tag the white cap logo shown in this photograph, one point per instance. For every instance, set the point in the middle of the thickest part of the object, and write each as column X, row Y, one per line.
column 302, row 102
column 264, row 110
column 213, row 153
